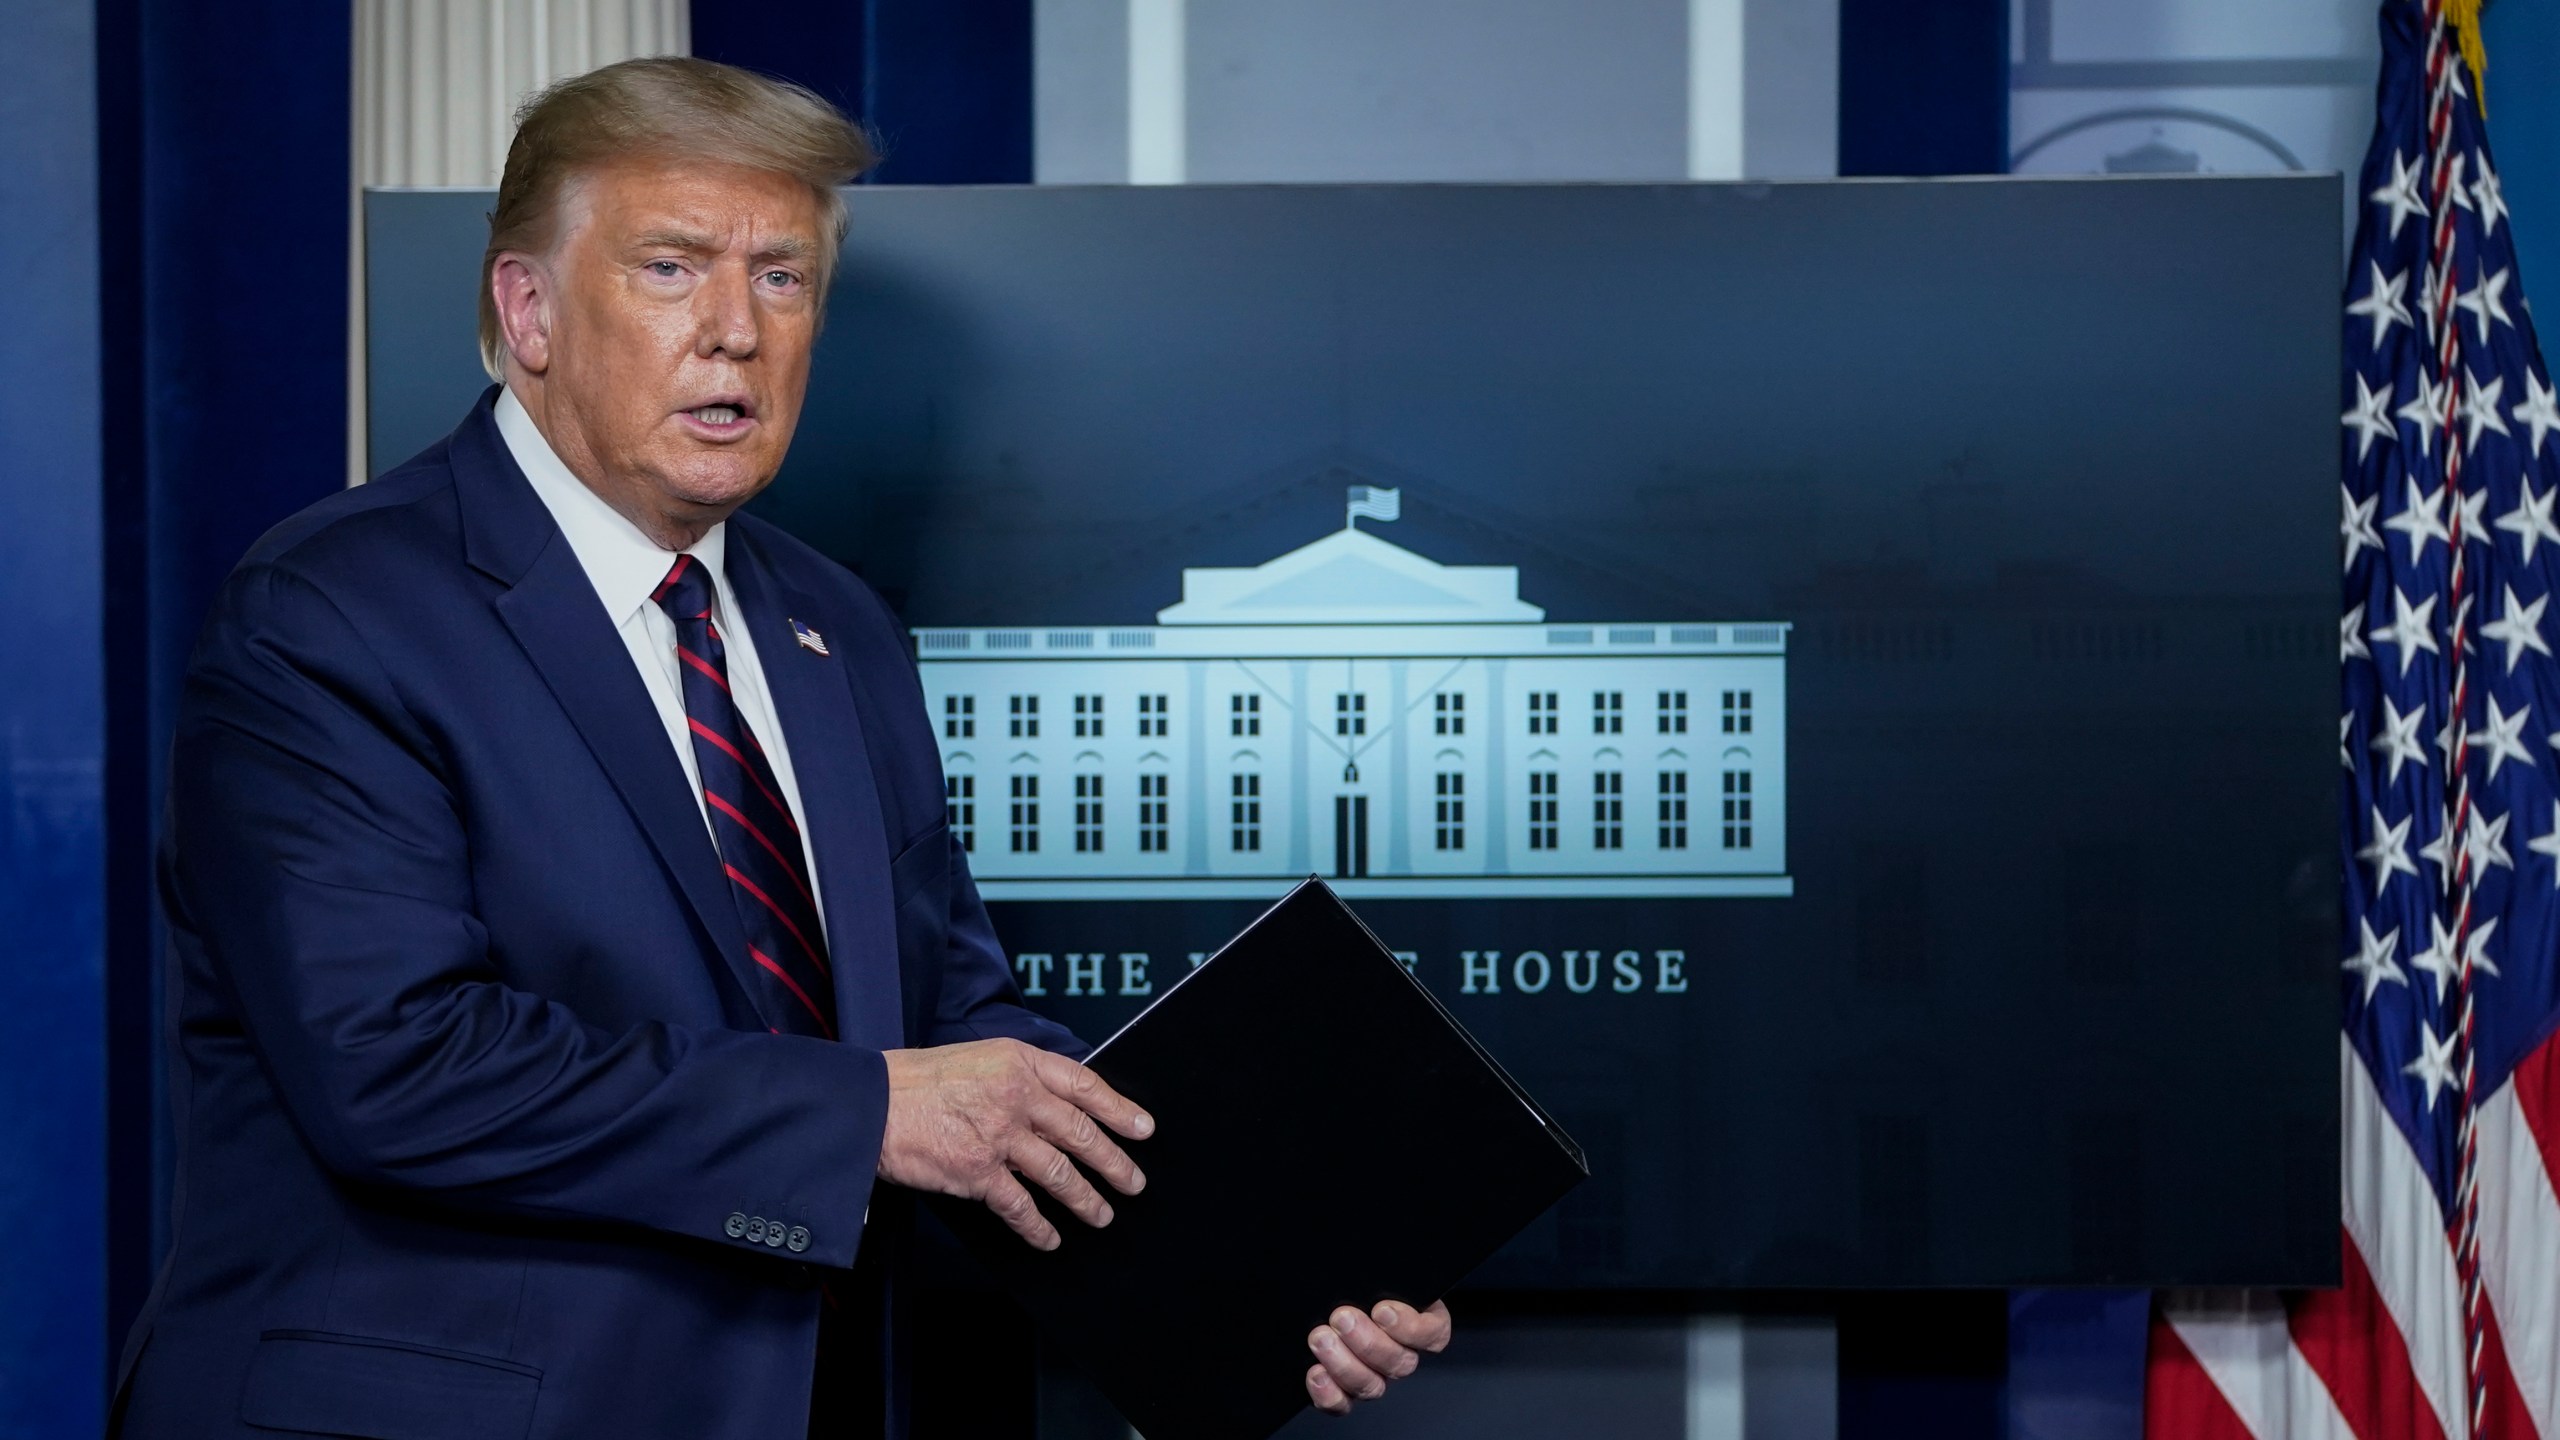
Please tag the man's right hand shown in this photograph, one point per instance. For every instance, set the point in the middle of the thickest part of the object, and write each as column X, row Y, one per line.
column 966, row 1119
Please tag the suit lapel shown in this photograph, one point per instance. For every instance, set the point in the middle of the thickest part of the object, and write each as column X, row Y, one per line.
column 556, row 618
column 813, row 696
column 551, row 608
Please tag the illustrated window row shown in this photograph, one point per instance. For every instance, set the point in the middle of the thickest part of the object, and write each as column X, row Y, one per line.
column 1609, row 810
column 1022, row 716
column 1448, row 811
column 1022, row 819
column 1350, row 714
column 1609, row 712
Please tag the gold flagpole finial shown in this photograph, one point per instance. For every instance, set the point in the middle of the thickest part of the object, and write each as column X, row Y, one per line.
column 2464, row 17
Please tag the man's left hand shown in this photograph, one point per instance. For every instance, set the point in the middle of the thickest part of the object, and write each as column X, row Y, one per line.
column 1357, row 1355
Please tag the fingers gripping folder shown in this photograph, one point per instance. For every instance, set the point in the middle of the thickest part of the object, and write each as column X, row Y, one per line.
column 1326, row 1135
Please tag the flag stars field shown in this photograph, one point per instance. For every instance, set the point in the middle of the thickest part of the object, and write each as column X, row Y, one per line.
column 2369, row 417
column 2519, row 628
column 2434, row 1065
column 2411, row 630
column 2530, row 522
column 2382, row 303
column 2421, row 519
column 2478, row 409
column 2540, row 411
column 2502, row 737
column 2426, row 411
column 2355, row 527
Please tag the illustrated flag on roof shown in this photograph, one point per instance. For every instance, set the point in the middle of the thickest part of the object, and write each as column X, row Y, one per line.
column 1368, row 502
column 2448, row 1320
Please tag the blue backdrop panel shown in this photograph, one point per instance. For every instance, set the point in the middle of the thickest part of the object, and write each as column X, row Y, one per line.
column 2075, row 1364
column 825, row 46
column 950, row 91
column 1924, row 87
column 945, row 85
column 52, row 1176
column 1926, row 433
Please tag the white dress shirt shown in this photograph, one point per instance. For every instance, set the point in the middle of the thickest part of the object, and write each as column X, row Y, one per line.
column 626, row 567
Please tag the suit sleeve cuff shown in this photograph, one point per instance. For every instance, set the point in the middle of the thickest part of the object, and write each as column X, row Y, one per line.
column 815, row 1214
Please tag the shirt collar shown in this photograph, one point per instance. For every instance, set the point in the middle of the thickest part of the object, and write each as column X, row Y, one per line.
column 623, row 564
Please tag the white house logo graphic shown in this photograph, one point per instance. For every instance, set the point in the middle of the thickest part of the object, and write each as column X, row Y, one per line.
column 1410, row 729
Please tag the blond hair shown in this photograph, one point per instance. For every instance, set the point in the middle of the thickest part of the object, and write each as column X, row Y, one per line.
column 668, row 106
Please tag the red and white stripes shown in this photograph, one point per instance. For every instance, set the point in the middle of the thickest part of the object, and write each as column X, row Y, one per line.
column 2384, row 1356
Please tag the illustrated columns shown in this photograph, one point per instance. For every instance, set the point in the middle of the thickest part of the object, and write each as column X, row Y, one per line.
column 1195, row 778
column 1301, row 830
column 1497, row 774
column 1401, row 775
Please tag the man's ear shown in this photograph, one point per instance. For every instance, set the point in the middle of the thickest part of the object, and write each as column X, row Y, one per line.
column 522, row 288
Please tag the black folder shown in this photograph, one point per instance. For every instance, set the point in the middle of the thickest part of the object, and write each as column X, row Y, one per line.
column 1326, row 1135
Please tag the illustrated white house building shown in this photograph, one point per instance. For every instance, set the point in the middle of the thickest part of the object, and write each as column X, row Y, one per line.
column 1350, row 708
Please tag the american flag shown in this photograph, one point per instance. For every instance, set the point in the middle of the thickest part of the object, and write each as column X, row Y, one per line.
column 2448, row 1320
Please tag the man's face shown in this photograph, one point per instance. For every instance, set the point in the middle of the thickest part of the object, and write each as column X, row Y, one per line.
column 683, row 303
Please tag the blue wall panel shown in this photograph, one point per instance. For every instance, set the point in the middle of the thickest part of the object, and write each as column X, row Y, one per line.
column 822, row 46
column 950, row 91
column 1924, row 87
column 51, row 745
column 223, row 201
column 2075, row 1363
column 945, row 85
column 2523, row 38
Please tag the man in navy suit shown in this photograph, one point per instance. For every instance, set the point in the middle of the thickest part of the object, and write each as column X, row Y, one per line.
column 565, row 934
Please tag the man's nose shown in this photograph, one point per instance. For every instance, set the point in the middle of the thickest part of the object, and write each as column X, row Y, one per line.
column 725, row 307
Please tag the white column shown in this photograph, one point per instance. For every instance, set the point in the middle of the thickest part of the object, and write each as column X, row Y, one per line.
column 1402, row 774
column 1714, row 1378
column 1769, row 1377
column 1302, row 781
column 437, row 83
column 1764, row 89
column 1499, row 796
column 1110, row 92
column 1715, row 89
column 1157, row 114
column 1201, row 804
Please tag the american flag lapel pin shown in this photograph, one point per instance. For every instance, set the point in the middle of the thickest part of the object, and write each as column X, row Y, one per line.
column 809, row 639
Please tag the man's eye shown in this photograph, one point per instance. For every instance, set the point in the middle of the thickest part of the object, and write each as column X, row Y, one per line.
column 780, row 279
column 667, row 269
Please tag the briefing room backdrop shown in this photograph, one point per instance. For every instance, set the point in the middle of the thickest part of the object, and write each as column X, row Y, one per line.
column 176, row 348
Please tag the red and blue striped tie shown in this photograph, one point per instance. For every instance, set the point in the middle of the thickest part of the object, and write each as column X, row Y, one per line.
column 758, row 837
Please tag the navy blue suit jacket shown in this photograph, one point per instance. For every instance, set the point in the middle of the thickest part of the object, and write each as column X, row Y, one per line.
column 467, row 1083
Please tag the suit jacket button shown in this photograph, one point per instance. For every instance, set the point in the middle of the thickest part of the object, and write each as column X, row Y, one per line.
column 737, row 1225
column 798, row 1240
column 773, row 1233
column 755, row 1230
